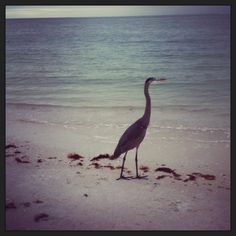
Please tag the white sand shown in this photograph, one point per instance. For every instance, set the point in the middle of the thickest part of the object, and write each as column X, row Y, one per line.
column 85, row 198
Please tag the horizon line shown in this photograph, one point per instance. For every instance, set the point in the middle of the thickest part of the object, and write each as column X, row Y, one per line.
column 64, row 17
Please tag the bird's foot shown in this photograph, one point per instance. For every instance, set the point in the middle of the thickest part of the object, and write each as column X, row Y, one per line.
column 123, row 177
column 141, row 177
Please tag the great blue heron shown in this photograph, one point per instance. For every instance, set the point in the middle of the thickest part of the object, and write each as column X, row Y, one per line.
column 134, row 134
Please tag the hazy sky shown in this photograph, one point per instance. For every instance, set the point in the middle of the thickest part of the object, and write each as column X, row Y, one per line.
column 96, row 11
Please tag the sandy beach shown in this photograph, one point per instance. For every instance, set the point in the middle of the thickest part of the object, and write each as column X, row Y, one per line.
column 74, row 85
column 48, row 187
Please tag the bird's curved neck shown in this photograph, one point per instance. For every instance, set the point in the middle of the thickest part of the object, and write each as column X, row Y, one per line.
column 147, row 112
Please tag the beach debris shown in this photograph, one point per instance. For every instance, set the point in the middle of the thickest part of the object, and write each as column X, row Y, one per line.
column 11, row 146
column 74, row 156
column 10, row 205
column 10, row 155
column 223, row 187
column 37, row 201
column 16, row 152
column 85, row 194
column 19, row 160
column 109, row 166
column 26, row 204
column 190, row 178
column 39, row 160
column 164, row 169
column 162, row 176
column 170, row 171
column 205, row 176
column 41, row 216
column 101, row 156
column 96, row 165
column 119, row 167
column 52, row 157
column 77, row 164
column 144, row 168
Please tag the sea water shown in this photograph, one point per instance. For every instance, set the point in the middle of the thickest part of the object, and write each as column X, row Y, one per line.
column 90, row 72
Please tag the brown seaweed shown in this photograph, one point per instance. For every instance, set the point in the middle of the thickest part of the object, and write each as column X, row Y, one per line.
column 190, row 178
column 74, row 156
column 205, row 176
column 96, row 165
column 119, row 167
column 101, row 156
column 162, row 176
column 168, row 170
column 109, row 166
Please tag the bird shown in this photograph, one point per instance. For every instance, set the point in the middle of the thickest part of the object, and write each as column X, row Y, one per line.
column 135, row 133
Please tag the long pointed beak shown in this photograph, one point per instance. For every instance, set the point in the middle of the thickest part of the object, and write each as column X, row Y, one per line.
column 160, row 79
column 157, row 80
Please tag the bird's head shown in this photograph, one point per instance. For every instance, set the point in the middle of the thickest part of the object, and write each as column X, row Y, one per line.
column 152, row 79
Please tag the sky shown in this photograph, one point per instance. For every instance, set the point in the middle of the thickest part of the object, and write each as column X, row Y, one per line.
column 103, row 11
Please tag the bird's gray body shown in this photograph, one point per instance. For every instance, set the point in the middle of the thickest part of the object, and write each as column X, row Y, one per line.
column 134, row 134
column 131, row 138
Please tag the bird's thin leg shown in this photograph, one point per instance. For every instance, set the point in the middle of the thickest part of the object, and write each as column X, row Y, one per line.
column 136, row 162
column 122, row 168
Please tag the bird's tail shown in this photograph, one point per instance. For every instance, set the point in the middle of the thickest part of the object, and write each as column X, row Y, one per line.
column 113, row 157
column 116, row 154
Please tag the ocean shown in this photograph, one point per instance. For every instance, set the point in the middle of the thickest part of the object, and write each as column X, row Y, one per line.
column 90, row 72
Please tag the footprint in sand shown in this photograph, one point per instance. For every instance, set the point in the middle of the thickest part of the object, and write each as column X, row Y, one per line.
column 21, row 160
column 40, row 217
column 26, row 204
column 10, row 205
column 11, row 146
